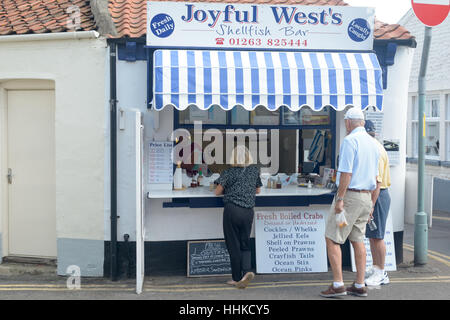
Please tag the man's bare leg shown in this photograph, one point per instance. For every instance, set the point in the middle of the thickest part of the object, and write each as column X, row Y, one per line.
column 360, row 260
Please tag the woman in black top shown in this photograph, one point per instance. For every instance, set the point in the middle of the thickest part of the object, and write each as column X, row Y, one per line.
column 239, row 185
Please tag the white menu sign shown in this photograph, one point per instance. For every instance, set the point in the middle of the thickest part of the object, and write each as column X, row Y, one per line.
column 160, row 162
column 291, row 241
column 390, row 261
column 377, row 117
column 264, row 26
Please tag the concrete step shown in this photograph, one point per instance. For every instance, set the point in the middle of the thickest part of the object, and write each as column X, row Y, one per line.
column 27, row 267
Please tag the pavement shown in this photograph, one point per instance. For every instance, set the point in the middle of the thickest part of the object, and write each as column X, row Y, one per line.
column 409, row 282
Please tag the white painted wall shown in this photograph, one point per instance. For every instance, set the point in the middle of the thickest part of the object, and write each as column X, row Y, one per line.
column 395, row 108
column 131, row 94
column 77, row 69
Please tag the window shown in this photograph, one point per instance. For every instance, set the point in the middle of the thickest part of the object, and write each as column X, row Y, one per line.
column 415, row 108
column 447, row 125
column 432, row 126
column 214, row 115
column 261, row 116
column 432, row 107
column 447, row 137
column 447, row 114
column 306, row 116
column 432, row 140
column 296, row 133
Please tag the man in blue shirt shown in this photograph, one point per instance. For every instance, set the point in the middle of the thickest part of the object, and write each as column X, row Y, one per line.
column 356, row 180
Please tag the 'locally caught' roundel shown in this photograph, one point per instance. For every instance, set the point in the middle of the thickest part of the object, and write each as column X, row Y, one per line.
column 359, row 30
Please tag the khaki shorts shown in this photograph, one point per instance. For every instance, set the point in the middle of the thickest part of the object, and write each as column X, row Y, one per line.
column 357, row 206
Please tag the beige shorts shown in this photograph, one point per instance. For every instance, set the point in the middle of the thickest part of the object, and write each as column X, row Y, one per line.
column 357, row 206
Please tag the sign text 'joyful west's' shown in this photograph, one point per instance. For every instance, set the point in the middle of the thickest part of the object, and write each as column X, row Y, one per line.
column 221, row 25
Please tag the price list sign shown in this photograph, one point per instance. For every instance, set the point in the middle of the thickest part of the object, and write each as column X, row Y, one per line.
column 160, row 162
column 290, row 241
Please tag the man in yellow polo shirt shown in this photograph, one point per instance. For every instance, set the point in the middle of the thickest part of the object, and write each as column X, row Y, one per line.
column 381, row 199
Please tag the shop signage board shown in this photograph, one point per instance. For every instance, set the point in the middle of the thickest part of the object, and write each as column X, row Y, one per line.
column 160, row 162
column 207, row 258
column 392, row 147
column 258, row 26
column 431, row 12
column 291, row 241
column 390, row 262
column 377, row 117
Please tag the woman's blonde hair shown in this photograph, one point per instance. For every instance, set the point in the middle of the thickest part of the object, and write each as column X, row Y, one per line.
column 240, row 157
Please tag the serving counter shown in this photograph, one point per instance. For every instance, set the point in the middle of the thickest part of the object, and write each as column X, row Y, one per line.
column 202, row 197
column 205, row 192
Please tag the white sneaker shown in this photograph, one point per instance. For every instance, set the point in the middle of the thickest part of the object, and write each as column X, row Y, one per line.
column 377, row 278
column 369, row 273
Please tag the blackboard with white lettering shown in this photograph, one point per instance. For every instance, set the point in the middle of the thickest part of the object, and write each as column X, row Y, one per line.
column 207, row 258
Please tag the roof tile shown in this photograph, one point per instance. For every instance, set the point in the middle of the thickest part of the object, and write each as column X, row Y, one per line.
column 42, row 16
column 129, row 17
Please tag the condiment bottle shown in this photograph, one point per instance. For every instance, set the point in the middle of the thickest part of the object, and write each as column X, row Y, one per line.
column 278, row 183
column 193, row 182
column 199, row 179
column 178, row 178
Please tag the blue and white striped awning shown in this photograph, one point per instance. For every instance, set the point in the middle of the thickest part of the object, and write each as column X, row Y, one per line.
column 184, row 78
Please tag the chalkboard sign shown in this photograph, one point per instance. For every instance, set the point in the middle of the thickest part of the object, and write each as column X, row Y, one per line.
column 207, row 258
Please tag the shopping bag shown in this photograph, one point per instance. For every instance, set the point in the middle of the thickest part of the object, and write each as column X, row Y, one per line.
column 340, row 219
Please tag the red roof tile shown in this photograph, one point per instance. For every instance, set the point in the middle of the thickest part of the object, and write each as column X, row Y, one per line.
column 129, row 17
column 43, row 16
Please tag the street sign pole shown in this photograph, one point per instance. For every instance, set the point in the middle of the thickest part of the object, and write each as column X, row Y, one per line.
column 420, row 219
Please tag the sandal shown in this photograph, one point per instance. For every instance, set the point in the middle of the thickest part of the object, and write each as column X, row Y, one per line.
column 243, row 283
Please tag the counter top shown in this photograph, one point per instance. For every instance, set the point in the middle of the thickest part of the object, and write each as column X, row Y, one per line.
column 204, row 192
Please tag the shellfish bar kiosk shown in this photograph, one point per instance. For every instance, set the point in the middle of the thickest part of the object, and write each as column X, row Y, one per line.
column 275, row 77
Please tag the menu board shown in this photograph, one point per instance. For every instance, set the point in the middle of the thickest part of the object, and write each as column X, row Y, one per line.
column 160, row 162
column 291, row 241
column 390, row 261
column 208, row 258
column 377, row 118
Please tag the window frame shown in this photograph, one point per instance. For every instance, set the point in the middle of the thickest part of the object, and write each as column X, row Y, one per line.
column 229, row 125
column 331, row 126
column 428, row 120
column 447, row 126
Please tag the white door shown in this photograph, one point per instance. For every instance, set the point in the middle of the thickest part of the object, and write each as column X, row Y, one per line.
column 31, row 159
